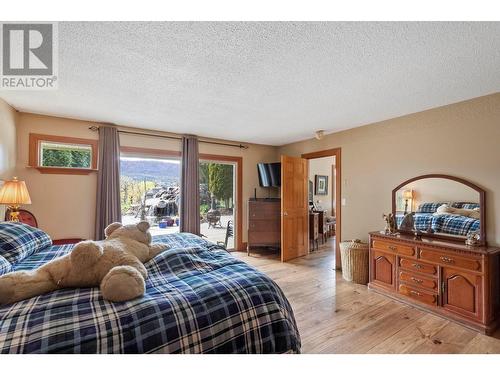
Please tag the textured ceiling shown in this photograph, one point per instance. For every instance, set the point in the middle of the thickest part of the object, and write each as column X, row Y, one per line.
column 270, row 82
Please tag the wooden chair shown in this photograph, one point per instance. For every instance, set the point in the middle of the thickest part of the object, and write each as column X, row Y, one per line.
column 25, row 217
column 67, row 241
column 331, row 228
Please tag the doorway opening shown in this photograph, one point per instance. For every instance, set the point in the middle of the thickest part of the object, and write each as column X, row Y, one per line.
column 324, row 188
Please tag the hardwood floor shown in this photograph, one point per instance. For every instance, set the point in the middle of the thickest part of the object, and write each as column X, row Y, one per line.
column 335, row 316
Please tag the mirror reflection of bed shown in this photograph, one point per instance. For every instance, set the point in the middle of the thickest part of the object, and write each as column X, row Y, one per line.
column 440, row 206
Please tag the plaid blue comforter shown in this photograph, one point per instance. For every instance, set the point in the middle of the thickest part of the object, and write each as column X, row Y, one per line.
column 448, row 224
column 199, row 299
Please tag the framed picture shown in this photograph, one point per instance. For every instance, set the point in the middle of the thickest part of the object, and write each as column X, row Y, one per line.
column 321, row 185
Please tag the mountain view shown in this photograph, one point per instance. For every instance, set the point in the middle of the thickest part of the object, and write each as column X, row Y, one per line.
column 150, row 170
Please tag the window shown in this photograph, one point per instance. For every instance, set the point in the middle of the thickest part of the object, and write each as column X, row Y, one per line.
column 149, row 188
column 64, row 155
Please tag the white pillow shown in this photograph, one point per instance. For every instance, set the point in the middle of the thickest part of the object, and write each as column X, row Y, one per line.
column 447, row 210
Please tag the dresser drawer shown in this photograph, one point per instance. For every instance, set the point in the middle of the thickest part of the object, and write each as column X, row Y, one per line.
column 264, row 226
column 264, row 212
column 447, row 259
column 417, row 266
column 263, row 238
column 393, row 247
column 418, row 295
column 417, row 280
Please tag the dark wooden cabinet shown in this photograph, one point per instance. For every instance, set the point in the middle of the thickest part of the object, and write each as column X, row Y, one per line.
column 322, row 228
column 264, row 223
column 314, row 229
column 447, row 278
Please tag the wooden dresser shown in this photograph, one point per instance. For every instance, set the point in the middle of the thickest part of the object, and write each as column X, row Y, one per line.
column 314, row 229
column 322, row 229
column 264, row 223
column 447, row 278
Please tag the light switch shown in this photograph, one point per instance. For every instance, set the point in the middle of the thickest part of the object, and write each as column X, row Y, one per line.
column 343, row 201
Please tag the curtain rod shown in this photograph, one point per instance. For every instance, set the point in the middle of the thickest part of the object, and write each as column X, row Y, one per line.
column 241, row 146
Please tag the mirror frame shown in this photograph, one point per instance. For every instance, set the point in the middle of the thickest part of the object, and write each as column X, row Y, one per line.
column 482, row 203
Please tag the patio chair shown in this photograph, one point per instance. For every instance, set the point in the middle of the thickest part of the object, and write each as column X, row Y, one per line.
column 213, row 218
column 229, row 233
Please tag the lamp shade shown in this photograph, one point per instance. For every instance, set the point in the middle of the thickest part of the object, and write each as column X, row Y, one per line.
column 408, row 194
column 14, row 192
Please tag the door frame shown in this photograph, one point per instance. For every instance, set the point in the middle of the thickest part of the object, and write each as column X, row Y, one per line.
column 337, row 152
column 238, row 233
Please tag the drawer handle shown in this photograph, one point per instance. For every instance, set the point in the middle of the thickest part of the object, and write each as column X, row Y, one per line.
column 418, row 266
column 393, row 248
column 415, row 280
column 447, row 260
column 414, row 293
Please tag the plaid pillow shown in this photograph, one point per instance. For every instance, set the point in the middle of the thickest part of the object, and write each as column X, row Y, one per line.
column 18, row 241
column 471, row 206
column 466, row 205
column 429, row 208
column 5, row 266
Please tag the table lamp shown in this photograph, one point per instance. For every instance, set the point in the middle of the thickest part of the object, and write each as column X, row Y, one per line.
column 14, row 193
column 407, row 195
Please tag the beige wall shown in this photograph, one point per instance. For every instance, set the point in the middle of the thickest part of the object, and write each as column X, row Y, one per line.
column 7, row 140
column 65, row 204
column 7, row 145
column 322, row 166
column 461, row 139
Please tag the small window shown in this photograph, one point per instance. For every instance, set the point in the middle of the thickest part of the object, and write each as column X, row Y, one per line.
column 64, row 155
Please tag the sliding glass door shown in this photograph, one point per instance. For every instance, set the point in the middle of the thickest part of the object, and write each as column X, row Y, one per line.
column 218, row 201
column 150, row 190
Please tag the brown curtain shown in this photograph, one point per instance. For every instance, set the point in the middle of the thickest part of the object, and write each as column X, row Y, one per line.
column 108, row 209
column 190, row 186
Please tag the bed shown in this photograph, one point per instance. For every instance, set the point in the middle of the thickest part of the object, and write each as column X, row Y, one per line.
column 426, row 218
column 199, row 299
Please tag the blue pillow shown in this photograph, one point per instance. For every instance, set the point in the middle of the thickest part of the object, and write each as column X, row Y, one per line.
column 5, row 266
column 18, row 241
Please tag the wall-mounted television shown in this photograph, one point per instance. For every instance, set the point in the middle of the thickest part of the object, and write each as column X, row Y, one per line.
column 269, row 174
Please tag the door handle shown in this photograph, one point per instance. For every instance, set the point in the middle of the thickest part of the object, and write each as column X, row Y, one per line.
column 415, row 280
column 285, row 213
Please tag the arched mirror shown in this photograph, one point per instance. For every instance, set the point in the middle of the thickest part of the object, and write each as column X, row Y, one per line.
column 441, row 206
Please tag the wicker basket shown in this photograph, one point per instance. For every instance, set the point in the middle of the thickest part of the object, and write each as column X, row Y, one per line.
column 354, row 257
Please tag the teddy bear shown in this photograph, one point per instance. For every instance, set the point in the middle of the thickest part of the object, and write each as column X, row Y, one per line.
column 114, row 264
